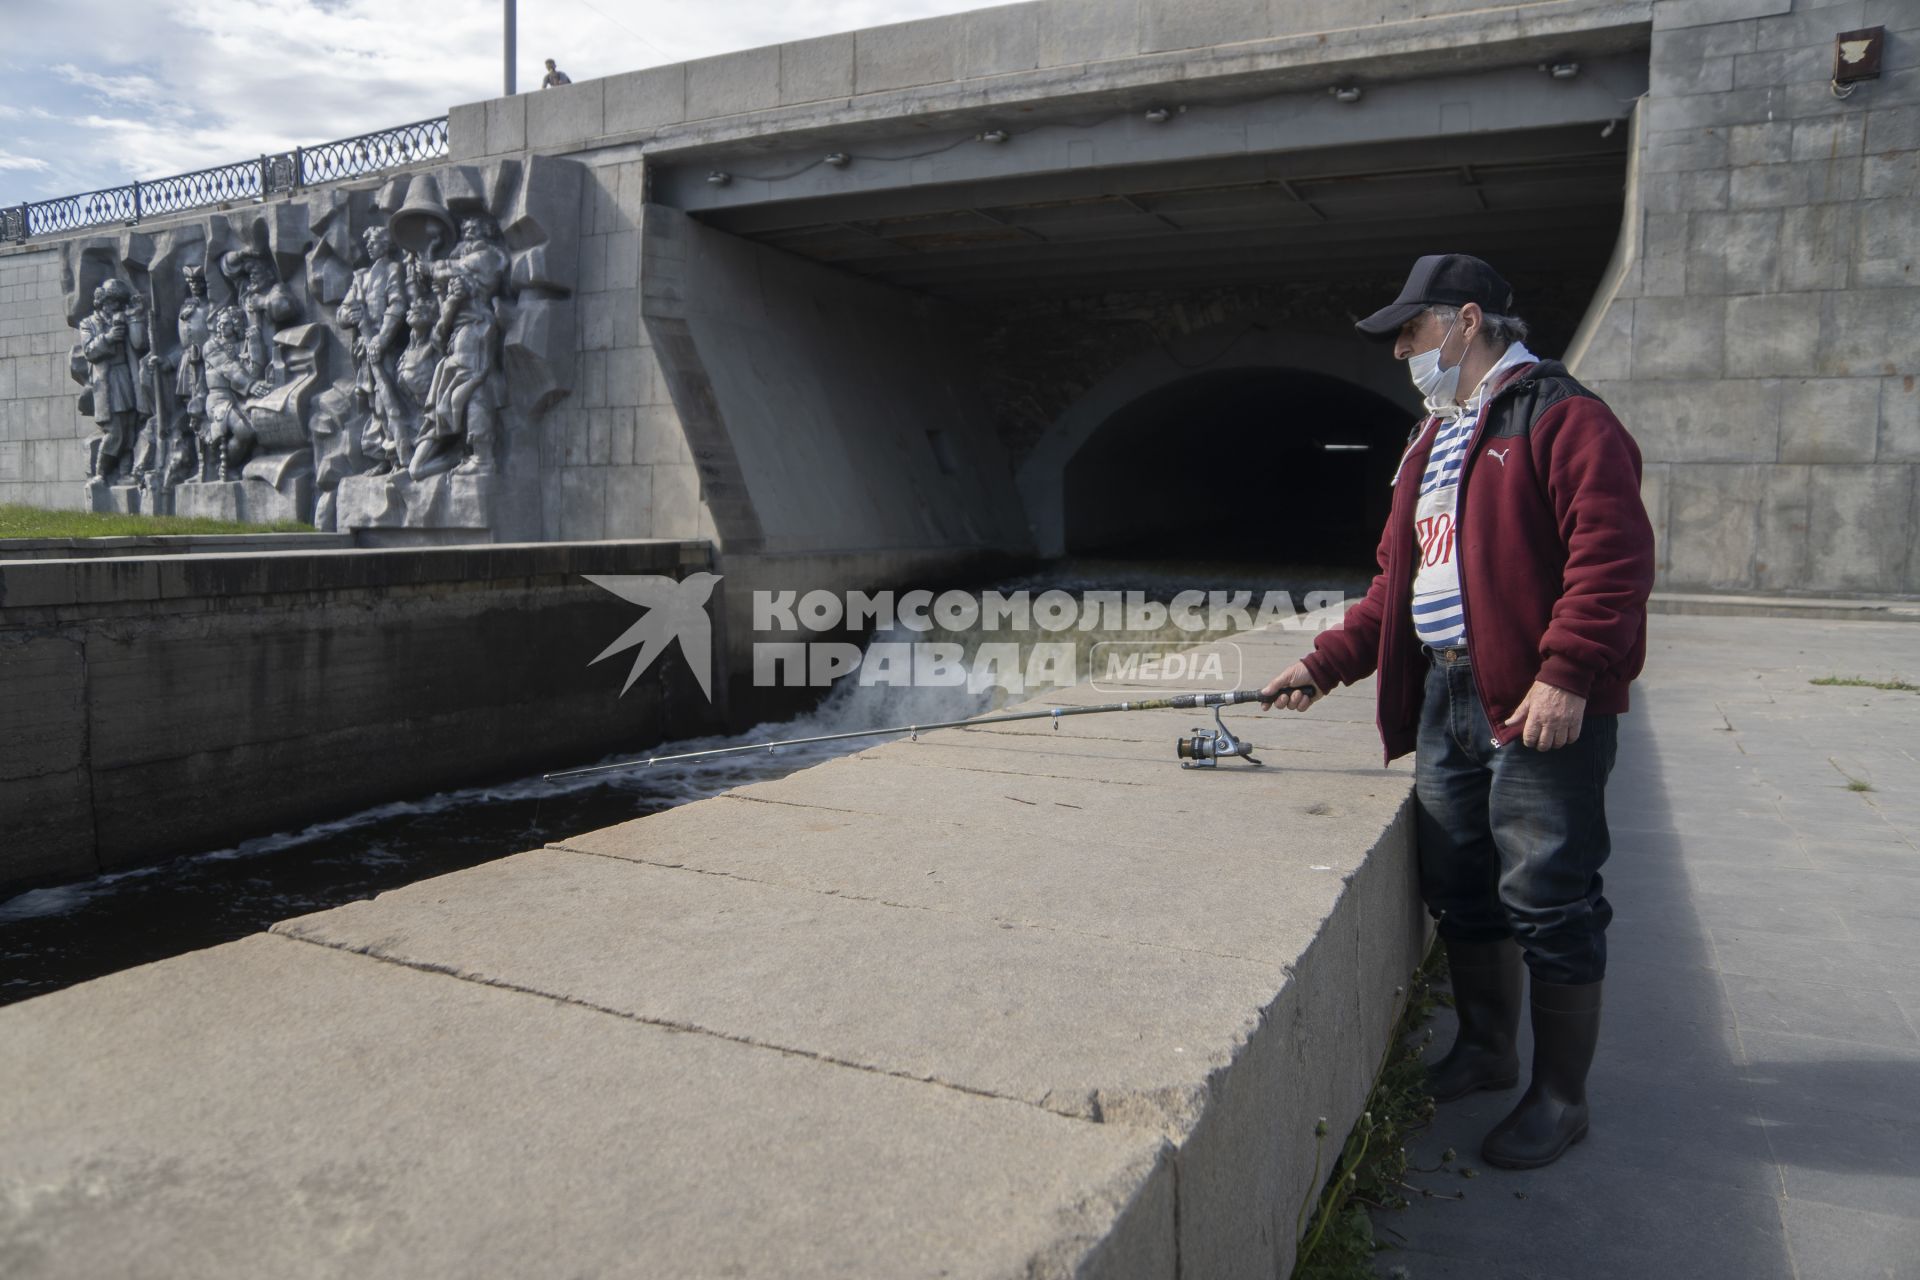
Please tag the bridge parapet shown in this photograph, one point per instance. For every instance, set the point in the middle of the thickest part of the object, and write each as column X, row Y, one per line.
column 1055, row 55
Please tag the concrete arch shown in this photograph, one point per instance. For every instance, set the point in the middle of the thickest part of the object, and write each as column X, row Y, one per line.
column 1249, row 345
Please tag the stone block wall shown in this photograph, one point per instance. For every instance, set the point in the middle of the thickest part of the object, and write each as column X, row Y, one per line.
column 164, row 704
column 616, row 462
column 1763, row 337
column 43, row 439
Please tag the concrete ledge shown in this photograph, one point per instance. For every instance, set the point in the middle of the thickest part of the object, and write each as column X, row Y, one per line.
column 88, row 583
column 272, row 1107
column 1883, row 609
column 1015, row 1000
column 168, row 544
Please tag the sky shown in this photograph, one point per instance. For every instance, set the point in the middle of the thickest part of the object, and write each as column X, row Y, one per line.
column 95, row 93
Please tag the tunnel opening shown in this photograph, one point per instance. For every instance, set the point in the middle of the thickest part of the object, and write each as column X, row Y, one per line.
column 1162, row 354
column 1255, row 465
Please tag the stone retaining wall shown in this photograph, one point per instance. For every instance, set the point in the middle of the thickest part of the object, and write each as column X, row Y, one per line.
column 155, row 705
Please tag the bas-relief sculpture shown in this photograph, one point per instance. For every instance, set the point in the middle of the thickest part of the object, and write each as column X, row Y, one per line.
column 107, row 360
column 340, row 358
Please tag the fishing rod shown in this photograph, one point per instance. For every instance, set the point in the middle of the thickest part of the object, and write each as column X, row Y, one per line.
column 1203, row 750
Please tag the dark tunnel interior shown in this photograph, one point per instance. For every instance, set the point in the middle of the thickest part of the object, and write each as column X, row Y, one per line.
column 1254, row 464
column 1062, row 279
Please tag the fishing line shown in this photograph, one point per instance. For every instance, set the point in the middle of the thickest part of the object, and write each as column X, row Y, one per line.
column 1203, row 750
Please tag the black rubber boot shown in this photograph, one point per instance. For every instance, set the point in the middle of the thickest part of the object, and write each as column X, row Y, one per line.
column 1552, row 1114
column 1486, row 996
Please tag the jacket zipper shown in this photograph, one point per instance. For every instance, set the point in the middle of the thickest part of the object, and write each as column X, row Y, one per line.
column 1405, row 600
column 1459, row 507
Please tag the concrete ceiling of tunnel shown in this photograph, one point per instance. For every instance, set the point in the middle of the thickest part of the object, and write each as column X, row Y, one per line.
column 1541, row 199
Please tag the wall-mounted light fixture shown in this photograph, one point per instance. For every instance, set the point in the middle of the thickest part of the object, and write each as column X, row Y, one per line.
column 1856, row 57
column 1347, row 93
column 1158, row 115
column 1563, row 70
column 994, row 135
column 839, row 159
column 719, row 178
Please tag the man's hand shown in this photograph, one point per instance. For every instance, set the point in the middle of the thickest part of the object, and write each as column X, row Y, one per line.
column 1549, row 717
column 1296, row 674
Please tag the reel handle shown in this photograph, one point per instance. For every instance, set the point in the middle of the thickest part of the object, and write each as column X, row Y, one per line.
column 1232, row 697
column 1253, row 695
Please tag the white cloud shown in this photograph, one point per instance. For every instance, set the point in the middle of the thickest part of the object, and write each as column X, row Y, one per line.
column 31, row 164
column 135, row 89
column 145, row 88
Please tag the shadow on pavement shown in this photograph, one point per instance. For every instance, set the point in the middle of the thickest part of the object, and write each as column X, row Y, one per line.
column 1677, row 1177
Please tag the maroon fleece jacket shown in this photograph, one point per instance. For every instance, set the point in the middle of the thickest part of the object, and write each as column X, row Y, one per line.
column 1556, row 561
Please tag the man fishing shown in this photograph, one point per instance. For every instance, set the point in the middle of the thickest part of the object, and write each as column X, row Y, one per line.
column 1507, row 620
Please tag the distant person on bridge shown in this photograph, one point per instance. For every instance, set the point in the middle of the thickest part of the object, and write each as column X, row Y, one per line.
column 1508, row 619
column 554, row 76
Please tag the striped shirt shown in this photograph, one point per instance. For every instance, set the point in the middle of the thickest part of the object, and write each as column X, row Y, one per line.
column 1438, row 617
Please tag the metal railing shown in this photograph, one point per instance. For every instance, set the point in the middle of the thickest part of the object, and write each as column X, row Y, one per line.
column 273, row 174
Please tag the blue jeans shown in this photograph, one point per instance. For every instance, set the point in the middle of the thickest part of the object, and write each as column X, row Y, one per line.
column 1511, row 839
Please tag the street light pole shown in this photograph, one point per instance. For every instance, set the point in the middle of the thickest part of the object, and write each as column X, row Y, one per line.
column 509, row 4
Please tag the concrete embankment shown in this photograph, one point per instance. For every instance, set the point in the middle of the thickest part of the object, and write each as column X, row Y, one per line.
column 160, row 704
column 167, row 544
column 1009, row 1001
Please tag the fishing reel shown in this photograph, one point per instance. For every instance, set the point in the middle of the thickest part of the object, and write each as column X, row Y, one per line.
column 1206, row 747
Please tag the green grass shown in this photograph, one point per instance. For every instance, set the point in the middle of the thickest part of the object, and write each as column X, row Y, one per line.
column 1859, row 784
column 1338, row 1242
column 18, row 521
column 1861, row 682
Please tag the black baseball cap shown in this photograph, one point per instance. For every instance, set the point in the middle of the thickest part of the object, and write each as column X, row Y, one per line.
column 1441, row 279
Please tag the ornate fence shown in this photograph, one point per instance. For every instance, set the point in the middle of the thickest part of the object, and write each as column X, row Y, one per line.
column 273, row 174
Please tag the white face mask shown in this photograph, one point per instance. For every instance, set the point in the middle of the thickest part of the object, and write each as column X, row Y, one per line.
column 1439, row 386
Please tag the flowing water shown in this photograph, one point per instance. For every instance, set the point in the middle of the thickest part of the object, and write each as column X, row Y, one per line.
column 54, row 937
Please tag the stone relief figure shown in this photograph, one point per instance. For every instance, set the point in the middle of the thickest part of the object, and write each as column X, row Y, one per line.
column 419, row 360
column 459, row 401
column 188, row 366
column 107, row 359
column 373, row 311
column 233, row 375
column 478, row 253
column 461, row 408
column 265, row 303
